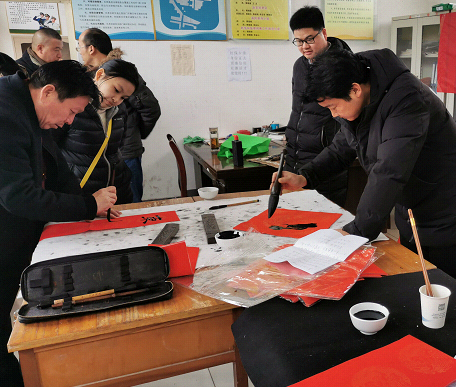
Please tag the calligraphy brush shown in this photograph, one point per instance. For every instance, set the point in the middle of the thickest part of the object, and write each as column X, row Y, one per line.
column 233, row 204
column 276, row 187
column 113, row 176
column 420, row 253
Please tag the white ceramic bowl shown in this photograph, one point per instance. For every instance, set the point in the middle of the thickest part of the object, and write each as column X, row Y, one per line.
column 367, row 325
column 229, row 239
column 208, row 192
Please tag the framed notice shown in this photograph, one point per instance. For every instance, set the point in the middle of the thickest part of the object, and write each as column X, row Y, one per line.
column 27, row 18
column 350, row 19
column 120, row 19
column 259, row 19
column 190, row 20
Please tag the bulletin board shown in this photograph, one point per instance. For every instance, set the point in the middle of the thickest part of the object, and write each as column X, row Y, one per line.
column 190, row 20
column 350, row 19
column 259, row 19
column 24, row 17
column 121, row 20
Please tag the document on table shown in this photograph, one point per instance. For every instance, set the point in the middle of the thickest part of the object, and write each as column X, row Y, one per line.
column 319, row 250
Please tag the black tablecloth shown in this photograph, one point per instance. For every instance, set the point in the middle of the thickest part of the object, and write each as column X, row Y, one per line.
column 282, row 343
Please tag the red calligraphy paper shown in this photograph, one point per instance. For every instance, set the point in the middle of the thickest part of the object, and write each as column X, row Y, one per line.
column 406, row 362
column 62, row 229
column 336, row 283
column 446, row 76
column 182, row 258
column 373, row 271
column 283, row 218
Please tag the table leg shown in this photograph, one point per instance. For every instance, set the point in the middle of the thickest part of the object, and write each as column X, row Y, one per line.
column 241, row 378
column 29, row 367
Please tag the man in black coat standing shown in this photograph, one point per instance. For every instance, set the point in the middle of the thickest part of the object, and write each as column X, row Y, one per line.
column 36, row 185
column 311, row 127
column 404, row 139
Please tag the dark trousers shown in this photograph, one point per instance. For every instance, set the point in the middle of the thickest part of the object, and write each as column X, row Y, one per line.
column 10, row 372
column 19, row 238
column 442, row 257
column 136, row 178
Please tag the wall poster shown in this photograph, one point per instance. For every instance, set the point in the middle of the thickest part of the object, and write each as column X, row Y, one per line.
column 120, row 19
column 28, row 17
column 190, row 19
column 259, row 19
column 350, row 19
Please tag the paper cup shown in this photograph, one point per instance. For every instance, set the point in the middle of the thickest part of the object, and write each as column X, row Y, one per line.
column 433, row 309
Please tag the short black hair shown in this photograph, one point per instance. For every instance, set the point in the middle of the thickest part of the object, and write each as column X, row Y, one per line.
column 47, row 33
column 333, row 73
column 123, row 69
column 99, row 39
column 69, row 78
column 307, row 17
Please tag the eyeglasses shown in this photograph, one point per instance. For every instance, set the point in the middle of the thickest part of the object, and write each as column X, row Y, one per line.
column 310, row 40
column 78, row 48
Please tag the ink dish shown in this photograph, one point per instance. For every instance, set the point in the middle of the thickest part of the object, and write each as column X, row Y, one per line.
column 229, row 239
column 368, row 317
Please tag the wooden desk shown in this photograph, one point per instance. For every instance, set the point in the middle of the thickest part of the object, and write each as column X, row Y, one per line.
column 221, row 173
column 130, row 346
column 147, row 342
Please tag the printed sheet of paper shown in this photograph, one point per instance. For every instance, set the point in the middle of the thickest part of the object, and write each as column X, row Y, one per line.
column 238, row 64
column 183, row 60
column 319, row 250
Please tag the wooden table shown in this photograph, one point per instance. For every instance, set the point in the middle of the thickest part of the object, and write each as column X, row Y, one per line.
column 220, row 172
column 130, row 346
column 148, row 342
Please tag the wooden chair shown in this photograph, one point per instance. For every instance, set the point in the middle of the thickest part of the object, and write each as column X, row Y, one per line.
column 180, row 166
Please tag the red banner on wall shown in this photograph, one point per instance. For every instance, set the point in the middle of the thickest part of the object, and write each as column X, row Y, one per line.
column 446, row 64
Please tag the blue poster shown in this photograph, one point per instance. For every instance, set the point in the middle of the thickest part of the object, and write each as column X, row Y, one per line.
column 190, row 19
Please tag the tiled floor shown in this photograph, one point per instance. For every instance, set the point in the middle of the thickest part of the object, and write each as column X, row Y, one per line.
column 220, row 376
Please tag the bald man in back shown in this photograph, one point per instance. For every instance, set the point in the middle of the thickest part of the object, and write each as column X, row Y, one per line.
column 46, row 47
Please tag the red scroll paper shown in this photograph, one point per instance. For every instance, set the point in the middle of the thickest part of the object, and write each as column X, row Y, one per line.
column 406, row 362
column 62, row 229
column 283, row 218
column 446, row 65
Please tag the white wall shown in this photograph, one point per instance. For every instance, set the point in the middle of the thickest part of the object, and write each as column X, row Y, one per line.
column 192, row 104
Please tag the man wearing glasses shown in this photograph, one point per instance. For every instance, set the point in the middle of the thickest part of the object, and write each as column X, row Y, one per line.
column 311, row 127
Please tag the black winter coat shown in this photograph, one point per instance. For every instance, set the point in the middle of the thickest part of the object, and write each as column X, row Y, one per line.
column 143, row 112
column 405, row 140
column 311, row 128
column 80, row 143
column 26, row 62
column 25, row 206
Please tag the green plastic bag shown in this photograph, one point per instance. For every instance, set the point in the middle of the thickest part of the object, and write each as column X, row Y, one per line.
column 251, row 145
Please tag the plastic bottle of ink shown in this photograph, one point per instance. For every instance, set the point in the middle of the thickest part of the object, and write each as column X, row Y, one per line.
column 238, row 158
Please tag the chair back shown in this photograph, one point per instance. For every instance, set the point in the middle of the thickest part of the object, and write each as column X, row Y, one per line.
column 182, row 181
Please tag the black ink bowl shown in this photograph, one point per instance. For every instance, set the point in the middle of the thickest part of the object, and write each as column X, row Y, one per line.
column 229, row 239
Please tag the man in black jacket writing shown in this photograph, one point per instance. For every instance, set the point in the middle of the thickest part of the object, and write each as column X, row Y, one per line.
column 404, row 139
column 36, row 185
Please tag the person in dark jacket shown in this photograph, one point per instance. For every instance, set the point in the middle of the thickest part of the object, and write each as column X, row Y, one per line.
column 404, row 139
column 36, row 185
column 311, row 127
column 8, row 66
column 47, row 46
column 81, row 141
column 143, row 109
